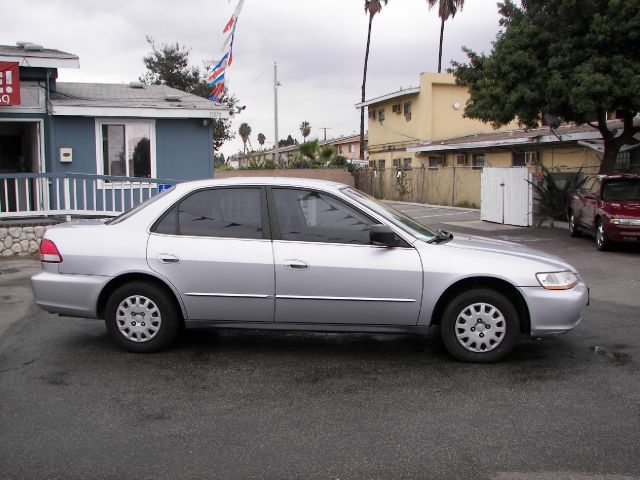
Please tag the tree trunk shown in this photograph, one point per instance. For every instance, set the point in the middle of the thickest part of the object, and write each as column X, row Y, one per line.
column 364, row 84
column 440, row 51
column 613, row 142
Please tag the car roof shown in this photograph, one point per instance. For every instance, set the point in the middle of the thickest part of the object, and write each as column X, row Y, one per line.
column 268, row 181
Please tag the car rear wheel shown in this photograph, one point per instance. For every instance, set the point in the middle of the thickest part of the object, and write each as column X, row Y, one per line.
column 602, row 240
column 141, row 317
column 573, row 227
column 480, row 325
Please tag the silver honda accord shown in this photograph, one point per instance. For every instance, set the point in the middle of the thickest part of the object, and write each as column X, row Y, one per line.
column 294, row 254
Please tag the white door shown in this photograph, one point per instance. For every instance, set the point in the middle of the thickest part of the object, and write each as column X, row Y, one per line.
column 506, row 196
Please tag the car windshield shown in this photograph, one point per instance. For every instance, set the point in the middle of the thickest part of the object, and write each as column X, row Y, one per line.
column 621, row 189
column 394, row 216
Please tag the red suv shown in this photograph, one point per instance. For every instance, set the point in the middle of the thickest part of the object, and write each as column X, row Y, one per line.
column 608, row 207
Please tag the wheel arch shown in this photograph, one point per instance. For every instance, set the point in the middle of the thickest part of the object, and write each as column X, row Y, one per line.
column 499, row 285
column 120, row 280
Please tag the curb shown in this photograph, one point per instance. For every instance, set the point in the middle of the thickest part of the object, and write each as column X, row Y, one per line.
column 446, row 207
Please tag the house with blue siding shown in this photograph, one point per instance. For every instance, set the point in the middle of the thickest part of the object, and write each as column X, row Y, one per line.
column 68, row 148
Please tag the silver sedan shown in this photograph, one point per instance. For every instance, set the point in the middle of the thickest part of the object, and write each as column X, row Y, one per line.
column 293, row 254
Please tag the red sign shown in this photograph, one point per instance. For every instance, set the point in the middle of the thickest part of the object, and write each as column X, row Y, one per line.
column 9, row 83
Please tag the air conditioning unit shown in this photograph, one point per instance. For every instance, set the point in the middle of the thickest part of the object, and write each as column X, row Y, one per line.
column 530, row 158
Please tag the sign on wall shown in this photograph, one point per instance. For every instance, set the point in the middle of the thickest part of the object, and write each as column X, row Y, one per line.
column 9, row 83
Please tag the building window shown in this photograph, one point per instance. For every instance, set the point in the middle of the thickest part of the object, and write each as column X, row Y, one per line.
column 395, row 108
column 381, row 164
column 396, row 162
column 340, row 149
column 478, row 161
column 435, row 162
column 406, row 163
column 407, row 111
column 461, row 159
column 628, row 162
column 350, row 148
column 517, row 159
column 381, row 114
column 372, row 114
column 127, row 148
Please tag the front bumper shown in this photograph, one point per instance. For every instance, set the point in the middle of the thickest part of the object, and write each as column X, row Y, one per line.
column 72, row 295
column 555, row 311
column 623, row 233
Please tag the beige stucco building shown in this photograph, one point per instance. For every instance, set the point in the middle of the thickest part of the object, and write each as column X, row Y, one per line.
column 422, row 148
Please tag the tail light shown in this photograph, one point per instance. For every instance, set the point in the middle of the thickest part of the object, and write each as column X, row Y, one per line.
column 49, row 252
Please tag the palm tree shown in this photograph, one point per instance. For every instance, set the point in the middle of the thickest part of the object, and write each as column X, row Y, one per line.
column 371, row 7
column 261, row 139
column 245, row 132
column 446, row 9
column 305, row 130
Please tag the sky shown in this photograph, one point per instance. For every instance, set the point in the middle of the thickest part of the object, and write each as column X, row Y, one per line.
column 319, row 48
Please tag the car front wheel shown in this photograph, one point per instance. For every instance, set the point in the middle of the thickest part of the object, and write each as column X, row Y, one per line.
column 602, row 240
column 141, row 317
column 480, row 325
column 573, row 227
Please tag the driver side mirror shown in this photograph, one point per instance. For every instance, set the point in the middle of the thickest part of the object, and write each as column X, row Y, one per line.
column 383, row 235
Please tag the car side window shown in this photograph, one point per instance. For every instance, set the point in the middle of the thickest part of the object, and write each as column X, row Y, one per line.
column 595, row 186
column 310, row 216
column 221, row 212
column 586, row 186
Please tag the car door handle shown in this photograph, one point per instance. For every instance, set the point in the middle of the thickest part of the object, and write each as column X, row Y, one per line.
column 168, row 258
column 296, row 265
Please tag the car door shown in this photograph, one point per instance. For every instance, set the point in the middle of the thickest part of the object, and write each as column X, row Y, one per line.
column 327, row 272
column 590, row 205
column 214, row 246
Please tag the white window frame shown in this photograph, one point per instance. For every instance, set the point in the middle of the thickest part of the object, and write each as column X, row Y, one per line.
column 100, row 122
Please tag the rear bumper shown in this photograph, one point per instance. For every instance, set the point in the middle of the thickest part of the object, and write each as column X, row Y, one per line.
column 72, row 295
column 555, row 311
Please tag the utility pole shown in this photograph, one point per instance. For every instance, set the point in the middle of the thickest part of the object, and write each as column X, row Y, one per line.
column 276, row 84
column 325, row 131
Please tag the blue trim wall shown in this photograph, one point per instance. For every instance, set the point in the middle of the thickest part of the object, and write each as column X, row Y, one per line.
column 77, row 133
column 184, row 147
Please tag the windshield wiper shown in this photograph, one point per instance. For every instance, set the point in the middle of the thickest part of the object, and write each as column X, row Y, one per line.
column 442, row 236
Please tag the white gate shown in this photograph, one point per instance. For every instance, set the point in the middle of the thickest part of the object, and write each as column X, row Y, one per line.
column 506, row 196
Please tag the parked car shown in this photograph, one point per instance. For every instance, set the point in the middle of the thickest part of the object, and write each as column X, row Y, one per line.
column 607, row 207
column 294, row 254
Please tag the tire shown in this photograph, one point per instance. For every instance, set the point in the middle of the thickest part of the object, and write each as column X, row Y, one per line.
column 468, row 318
column 602, row 240
column 141, row 317
column 573, row 227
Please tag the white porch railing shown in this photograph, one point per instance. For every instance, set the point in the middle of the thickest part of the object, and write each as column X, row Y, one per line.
column 48, row 194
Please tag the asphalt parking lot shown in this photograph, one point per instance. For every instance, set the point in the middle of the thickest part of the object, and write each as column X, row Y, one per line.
column 244, row 405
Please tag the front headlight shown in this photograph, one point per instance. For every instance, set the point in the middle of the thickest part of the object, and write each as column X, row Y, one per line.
column 557, row 280
column 625, row 221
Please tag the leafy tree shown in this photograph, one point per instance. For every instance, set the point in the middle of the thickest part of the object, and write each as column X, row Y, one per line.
column 371, row 7
column 316, row 155
column 288, row 142
column 576, row 61
column 169, row 65
column 446, row 9
column 245, row 133
column 305, row 130
column 261, row 139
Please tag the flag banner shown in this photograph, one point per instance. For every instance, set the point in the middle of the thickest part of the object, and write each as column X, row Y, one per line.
column 216, row 73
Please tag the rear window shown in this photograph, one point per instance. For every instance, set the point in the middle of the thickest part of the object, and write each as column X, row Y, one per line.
column 136, row 209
